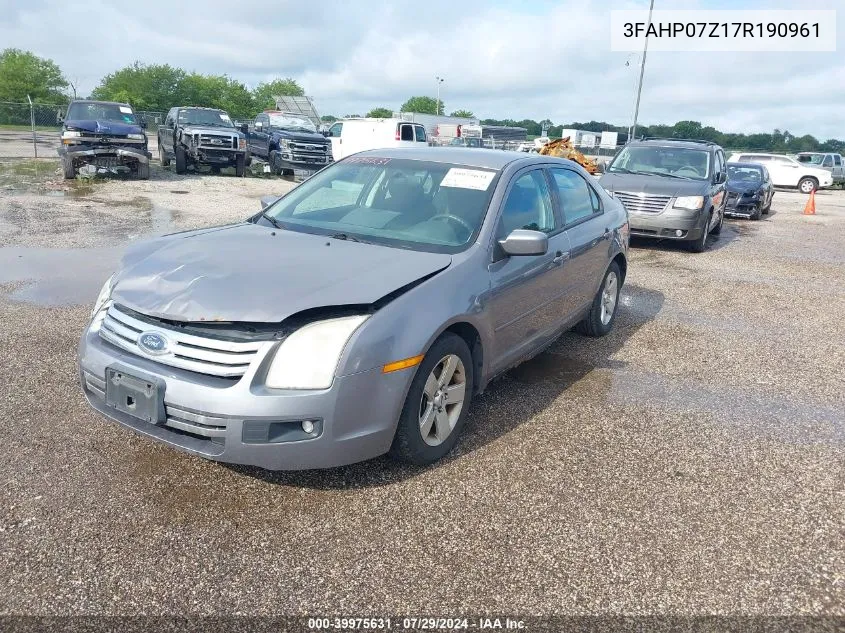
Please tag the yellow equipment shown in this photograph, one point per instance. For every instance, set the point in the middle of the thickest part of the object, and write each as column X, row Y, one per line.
column 562, row 148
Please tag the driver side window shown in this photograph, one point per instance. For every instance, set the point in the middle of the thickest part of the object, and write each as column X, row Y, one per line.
column 528, row 206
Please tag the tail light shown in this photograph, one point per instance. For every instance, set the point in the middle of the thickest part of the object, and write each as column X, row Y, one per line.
column 398, row 137
column 459, row 131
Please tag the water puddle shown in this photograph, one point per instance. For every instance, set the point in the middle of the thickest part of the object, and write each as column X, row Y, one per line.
column 57, row 276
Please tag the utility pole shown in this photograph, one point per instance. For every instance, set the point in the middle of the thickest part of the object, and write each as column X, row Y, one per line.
column 32, row 123
column 439, row 80
column 642, row 72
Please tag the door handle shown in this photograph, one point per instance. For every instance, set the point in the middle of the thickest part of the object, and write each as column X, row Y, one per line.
column 560, row 257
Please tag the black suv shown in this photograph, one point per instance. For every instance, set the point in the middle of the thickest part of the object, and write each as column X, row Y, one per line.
column 672, row 188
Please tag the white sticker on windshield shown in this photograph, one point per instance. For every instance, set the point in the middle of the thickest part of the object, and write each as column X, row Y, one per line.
column 468, row 178
column 225, row 117
column 125, row 109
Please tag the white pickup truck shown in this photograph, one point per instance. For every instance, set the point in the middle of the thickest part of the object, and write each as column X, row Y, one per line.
column 825, row 160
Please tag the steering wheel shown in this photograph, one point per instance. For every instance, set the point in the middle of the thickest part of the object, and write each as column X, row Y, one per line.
column 690, row 170
column 457, row 220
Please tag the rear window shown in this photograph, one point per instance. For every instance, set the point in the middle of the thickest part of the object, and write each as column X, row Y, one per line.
column 406, row 132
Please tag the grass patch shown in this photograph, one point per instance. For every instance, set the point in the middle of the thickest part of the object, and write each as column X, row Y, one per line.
column 27, row 128
column 27, row 173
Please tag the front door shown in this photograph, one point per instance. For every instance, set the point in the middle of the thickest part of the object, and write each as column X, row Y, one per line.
column 524, row 289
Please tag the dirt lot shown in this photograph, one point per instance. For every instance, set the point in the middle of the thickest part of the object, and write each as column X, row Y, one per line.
column 692, row 462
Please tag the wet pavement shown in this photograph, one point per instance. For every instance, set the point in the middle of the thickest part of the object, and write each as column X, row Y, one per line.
column 691, row 462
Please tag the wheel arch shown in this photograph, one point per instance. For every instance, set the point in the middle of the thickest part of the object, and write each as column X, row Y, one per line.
column 472, row 337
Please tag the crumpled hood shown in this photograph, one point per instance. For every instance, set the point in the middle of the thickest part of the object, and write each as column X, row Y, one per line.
column 655, row 185
column 246, row 273
column 736, row 186
column 115, row 128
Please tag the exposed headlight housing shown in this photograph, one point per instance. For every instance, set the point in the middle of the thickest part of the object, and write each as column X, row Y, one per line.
column 284, row 144
column 241, row 143
column 137, row 137
column 308, row 358
column 104, row 296
column 689, row 202
column 71, row 134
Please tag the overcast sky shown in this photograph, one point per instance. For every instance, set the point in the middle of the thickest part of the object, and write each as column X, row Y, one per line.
column 519, row 59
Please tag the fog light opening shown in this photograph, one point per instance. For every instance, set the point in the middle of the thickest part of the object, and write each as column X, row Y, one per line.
column 308, row 426
column 679, row 233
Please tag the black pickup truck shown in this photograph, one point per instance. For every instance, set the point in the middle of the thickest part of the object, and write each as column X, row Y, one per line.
column 201, row 136
column 105, row 135
column 288, row 142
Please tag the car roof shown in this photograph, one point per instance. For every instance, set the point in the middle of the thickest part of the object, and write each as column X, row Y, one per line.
column 745, row 164
column 668, row 142
column 473, row 157
column 100, row 102
column 199, row 108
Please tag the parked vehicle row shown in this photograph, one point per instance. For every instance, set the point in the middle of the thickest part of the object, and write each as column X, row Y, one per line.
column 403, row 280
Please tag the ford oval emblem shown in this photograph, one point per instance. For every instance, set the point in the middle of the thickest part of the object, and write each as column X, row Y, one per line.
column 152, row 343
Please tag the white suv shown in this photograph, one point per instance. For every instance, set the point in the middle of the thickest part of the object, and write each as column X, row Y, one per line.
column 786, row 171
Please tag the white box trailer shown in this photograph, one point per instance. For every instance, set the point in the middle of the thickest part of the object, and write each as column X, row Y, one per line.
column 438, row 126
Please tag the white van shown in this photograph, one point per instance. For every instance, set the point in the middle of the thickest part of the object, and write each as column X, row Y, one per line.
column 351, row 136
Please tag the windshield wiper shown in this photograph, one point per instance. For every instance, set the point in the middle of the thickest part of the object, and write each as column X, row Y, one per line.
column 272, row 220
column 345, row 237
column 668, row 175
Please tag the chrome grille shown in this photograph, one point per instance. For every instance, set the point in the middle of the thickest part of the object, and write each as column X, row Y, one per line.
column 215, row 357
column 308, row 152
column 218, row 141
column 642, row 203
column 192, row 422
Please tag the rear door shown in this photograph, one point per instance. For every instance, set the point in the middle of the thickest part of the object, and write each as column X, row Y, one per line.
column 525, row 290
column 588, row 232
column 838, row 168
column 405, row 134
column 258, row 139
column 785, row 173
column 420, row 135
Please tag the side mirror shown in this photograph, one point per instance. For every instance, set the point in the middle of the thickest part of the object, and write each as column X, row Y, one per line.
column 326, row 133
column 244, row 128
column 525, row 242
column 258, row 125
column 266, row 201
column 60, row 119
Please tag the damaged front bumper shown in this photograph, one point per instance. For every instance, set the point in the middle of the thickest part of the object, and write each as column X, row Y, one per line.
column 89, row 154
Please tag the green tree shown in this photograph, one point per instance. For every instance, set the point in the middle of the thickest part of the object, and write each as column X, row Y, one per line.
column 687, row 129
column 147, row 87
column 422, row 105
column 463, row 113
column 380, row 113
column 263, row 94
column 22, row 74
column 328, row 118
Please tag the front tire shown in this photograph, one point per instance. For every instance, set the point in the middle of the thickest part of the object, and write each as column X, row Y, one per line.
column 700, row 245
column 437, row 403
column 181, row 160
column 163, row 158
column 143, row 171
column 602, row 314
column 758, row 211
column 68, row 169
column 240, row 166
column 808, row 184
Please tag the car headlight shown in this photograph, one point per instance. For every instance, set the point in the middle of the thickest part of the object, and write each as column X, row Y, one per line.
column 284, row 144
column 71, row 134
column 104, row 296
column 137, row 137
column 689, row 202
column 242, row 143
column 307, row 359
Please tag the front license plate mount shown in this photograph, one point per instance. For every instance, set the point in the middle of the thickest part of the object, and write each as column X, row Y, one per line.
column 141, row 397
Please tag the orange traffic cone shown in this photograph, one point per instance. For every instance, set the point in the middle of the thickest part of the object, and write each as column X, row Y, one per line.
column 810, row 207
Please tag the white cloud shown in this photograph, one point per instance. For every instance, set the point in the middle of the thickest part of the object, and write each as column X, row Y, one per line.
column 500, row 59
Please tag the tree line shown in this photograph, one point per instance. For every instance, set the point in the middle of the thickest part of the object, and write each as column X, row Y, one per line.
column 158, row 87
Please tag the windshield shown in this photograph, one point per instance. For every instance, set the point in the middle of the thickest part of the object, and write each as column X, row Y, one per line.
column 419, row 205
column 693, row 164
column 292, row 122
column 745, row 175
column 101, row 112
column 211, row 118
column 813, row 159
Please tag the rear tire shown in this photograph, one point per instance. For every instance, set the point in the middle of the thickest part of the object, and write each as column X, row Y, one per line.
column 240, row 166
column 700, row 245
column 602, row 314
column 436, row 405
column 143, row 171
column 181, row 161
column 808, row 184
column 68, row 169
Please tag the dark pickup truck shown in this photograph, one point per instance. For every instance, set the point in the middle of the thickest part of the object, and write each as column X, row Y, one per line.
column 193, row 136
column 105, row 135
column 288, row 142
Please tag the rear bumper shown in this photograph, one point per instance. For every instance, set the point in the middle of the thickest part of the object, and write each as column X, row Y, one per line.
column 666, row 225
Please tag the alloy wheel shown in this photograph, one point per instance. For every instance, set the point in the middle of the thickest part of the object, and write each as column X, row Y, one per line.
column 442, row 400
column 609, row 297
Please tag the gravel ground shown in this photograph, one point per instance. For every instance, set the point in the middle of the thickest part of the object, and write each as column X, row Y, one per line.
column 692, row 462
